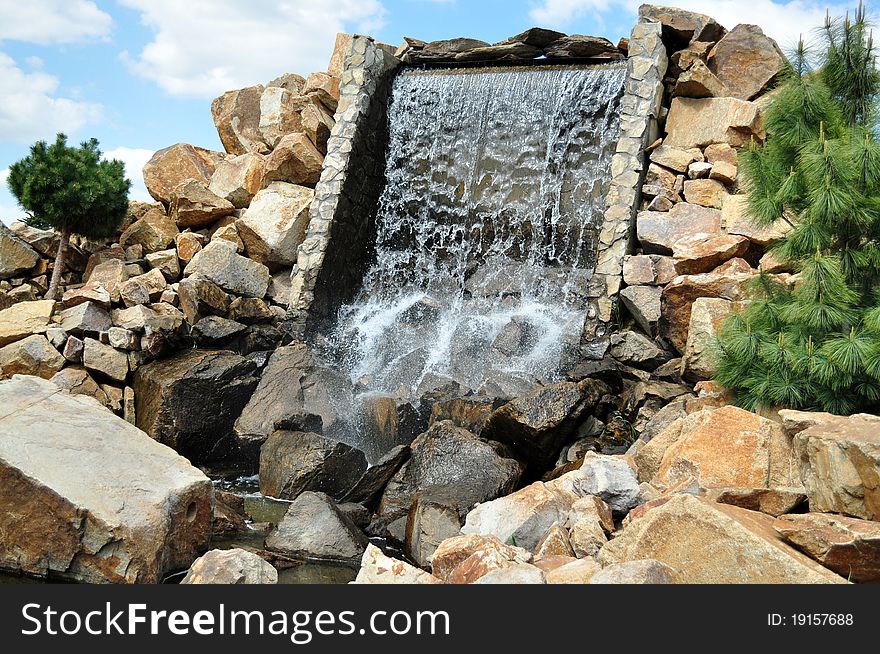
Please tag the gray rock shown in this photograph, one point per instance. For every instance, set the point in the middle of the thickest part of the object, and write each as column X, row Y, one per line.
column 16, row 256
column 105, row 360
column 33, row 355
column 578, row 46
column 536, row 425
column 88, row 497
column 313, row 528
column 235, row 566
column 200, row 297
column 294, row 462
column 432, row 519
column 536, row 37
column 609, row 478
column 220, row 263
column 86, row 318
column 642, row 572
column 637, row 350
column 644, row 305
column 214, row 331
column 377, row 476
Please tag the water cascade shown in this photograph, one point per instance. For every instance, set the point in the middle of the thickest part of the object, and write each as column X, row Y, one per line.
column 486, row 230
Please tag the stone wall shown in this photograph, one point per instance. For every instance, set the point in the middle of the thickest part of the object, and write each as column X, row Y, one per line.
column 338, row 246
column 640, row 106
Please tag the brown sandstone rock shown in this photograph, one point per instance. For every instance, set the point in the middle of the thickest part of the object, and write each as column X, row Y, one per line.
column 295, row 160
column 700, row 357
column 701, row 253
column 237, row 118
column 746, row 61
column 24, row 319
column 173, row 165
column 154, row 232
column 235, row 566
column 701, row 122
column 194, row 206
column 33, row 355
column 659, row 231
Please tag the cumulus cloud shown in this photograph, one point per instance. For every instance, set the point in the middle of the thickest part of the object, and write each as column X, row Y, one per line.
column 202, row 48
column 53, row 21
column 134, row 160
column 30, row 108
column 785, row 21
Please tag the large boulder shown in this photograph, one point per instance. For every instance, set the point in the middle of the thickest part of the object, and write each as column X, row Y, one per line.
column 729, row 447
column 377, row 568
column 315, row 528
column 295, row 160
column 839, row 462
column 238, row 179
column 274, row 226
column 736, row 220
column 659, row 231
column 294, row 390
column 86, row 496
column 294, row 462
column 581, row 47
column 848, row 546
column 237, row 118
column 194, row 206
column 708, row 315
column 696, row 123
column 537, row 424
column 610, row 478
column 701, row 253
column 644, row 572
column 235, row 566
column 280, row 114
column 200, row 297
column 681, row 27
column 171, row 166
column 191, row 401
column 467, row 558
column 643, row 304
column 16, row 256
column 708, row 543
column 746, row 61
column 220, row 262
column 24, row 319
column 33, row 355
column 451, row 462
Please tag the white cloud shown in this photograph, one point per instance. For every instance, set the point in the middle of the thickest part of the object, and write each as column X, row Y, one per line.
column 9, row 209
column 202, row 48
column 53, row 21
column 134, row 160
column 784, row 21
column 31, row 110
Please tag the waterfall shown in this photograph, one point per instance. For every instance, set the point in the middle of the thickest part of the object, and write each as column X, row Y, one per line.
column 486, row 230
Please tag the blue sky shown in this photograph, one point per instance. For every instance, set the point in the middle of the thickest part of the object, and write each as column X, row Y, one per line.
column 140, row 74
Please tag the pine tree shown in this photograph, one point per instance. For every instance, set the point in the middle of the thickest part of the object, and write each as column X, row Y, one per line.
column 71, row 190
column 816, row 347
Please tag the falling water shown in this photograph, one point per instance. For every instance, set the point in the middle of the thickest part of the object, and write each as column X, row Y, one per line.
column 486, row 229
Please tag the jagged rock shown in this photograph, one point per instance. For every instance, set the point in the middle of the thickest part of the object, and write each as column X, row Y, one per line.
column 848, row 546
column 680, row 26
column 431, row 520
column 377, row 568
column 237, row 118
column 574, row 572
column 66, row 462
column 699, row 170
column 154, row 232
column 293, row 82
column 735, row 220
column 44, row 241
column 220, row 263
column 555, row 542
column 86, row 318
column 111, row 274
column 725, row 173
column 537, row 37
column 377, row 476
column 122, row 339
column 699, row 82
column 194, row 206
column 673, row 158
column 705, row 193
column 33, row 355
column 293, row 389
column 659, row 231
column 249, row 310
column 191, row 401
column 634, row 349
column 700, row 357
column 274, row 226
column 522, row 517
column 187, row 245
column 235, row 566
column 214, row 331
column 238, row 179
column 341, row 48
column 200, row 297
column 518, row 574
column 678, row 298
column 105, row 360
column 702, row 253
column 134, row 318
column 506, row 51
column 317, row 124
column 469, row 413
column 24, row 319
column 294, row 462
column 839, row 462
column 295, row 160
column 610, row 478
column 90, row 292
column 729, row 447
column 464, row 559
column 695, row 123
column 578, row 46
column 16, row 256
column 134, row 292
column 643, row 304
column 325, row 88
column 707, row 543
column 314, row 528
column 280, row 114
column 173, row 165
column 635, row 572
column 537, row 424
column 772, row 501
column 648, row 270
column 77, row 381
column 746, row 61
column 73, row 349
column 153, row 283
column 449, row 459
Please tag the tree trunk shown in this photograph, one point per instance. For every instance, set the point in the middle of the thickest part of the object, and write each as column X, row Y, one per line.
column 52, row 293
